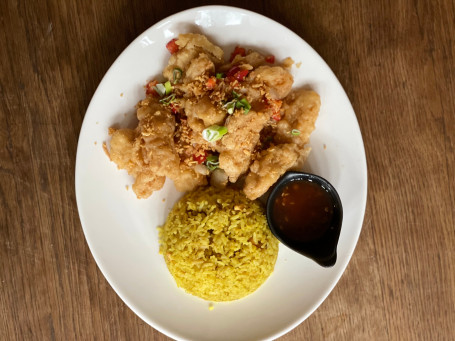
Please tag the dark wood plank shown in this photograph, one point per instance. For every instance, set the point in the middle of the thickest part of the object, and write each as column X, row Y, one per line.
column 395, row 61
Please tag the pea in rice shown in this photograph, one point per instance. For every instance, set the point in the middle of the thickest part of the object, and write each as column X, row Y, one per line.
column 217, row 245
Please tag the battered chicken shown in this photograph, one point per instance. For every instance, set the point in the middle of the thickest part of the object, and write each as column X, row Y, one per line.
column 231, row 121
column 301, row 109
column 190, row 47
column 271, row 164
column 156, row 143
column 188, row 179
column 277, row 79
column 146, row 183
column 198, row 67
column 250, row 61
column 124, row 149
column 202, row 113
column 237, row 146
column 147, row 153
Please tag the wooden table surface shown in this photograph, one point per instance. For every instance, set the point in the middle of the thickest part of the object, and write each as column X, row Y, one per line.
column 396, row 62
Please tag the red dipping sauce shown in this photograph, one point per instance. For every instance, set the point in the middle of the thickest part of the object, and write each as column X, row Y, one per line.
column 303, row 211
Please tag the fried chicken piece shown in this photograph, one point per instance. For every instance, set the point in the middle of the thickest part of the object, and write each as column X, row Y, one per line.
column 193, row 40
column 203, row 113
column 251, row 61
column 237, row 145
column 179, row 60
column 266, row 170
column 146, row 183
column 277, row 80
column 125, row 149
column 147, row 153
column 146, row 106
column 303, row 155
column 157, row 144
column 234, row 163
column 122, row 149
column 301, row 109
column 187, row 179
column 190, row 46
column 198, row 67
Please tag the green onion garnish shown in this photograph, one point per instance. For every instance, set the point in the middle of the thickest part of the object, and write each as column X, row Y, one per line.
column 230, row 107
column 243, row 103
column 219, row 75
column 235, row 94
column 163, row 89
column 177, row 74
column 214, row 133
column 295, row 132
column 160, row 89
column 237, row 103
column 212, row 162
column 168, row 99
column 168, row 87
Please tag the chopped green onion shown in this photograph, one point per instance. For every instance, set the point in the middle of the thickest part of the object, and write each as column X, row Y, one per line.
column 168, row 87
column 168, row 99
column 237, row 103
column 160, row 89
column 230, row 107
column 177, row 74
column 163, row 89
column 295, row 132
column 214, row 133
column 235, row 94
column 219, row 75
column 212, row 162
column 243, row 103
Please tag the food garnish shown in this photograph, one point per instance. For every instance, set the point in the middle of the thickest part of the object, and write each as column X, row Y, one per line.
column 214, row 133
column 177, row 75
column 211, row 83
column 237, row 51
column 172, row 46
column 212, row 162
column 270, row 59
column 200, row 158
column 237, row 102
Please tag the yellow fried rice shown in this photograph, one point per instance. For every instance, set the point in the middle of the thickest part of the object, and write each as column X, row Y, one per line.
column 217, row 245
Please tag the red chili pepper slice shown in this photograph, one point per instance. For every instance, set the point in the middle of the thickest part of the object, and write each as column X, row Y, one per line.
column 270, row 59
column 237, row 73
column 150, row 88
column 200, row 158
column 276, row 116
column 211, row 83
column 174, row 108
column 172, row 46
column 232, row 71
column 240, row 75
column 275, row 106
column 238, row 50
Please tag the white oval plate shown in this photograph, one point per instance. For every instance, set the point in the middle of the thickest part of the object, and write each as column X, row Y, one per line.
column 121, row 230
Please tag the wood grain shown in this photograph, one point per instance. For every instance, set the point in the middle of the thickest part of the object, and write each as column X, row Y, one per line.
column 395, row 60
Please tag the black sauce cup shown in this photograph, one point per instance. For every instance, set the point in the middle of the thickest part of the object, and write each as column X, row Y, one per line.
column 322, row 250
